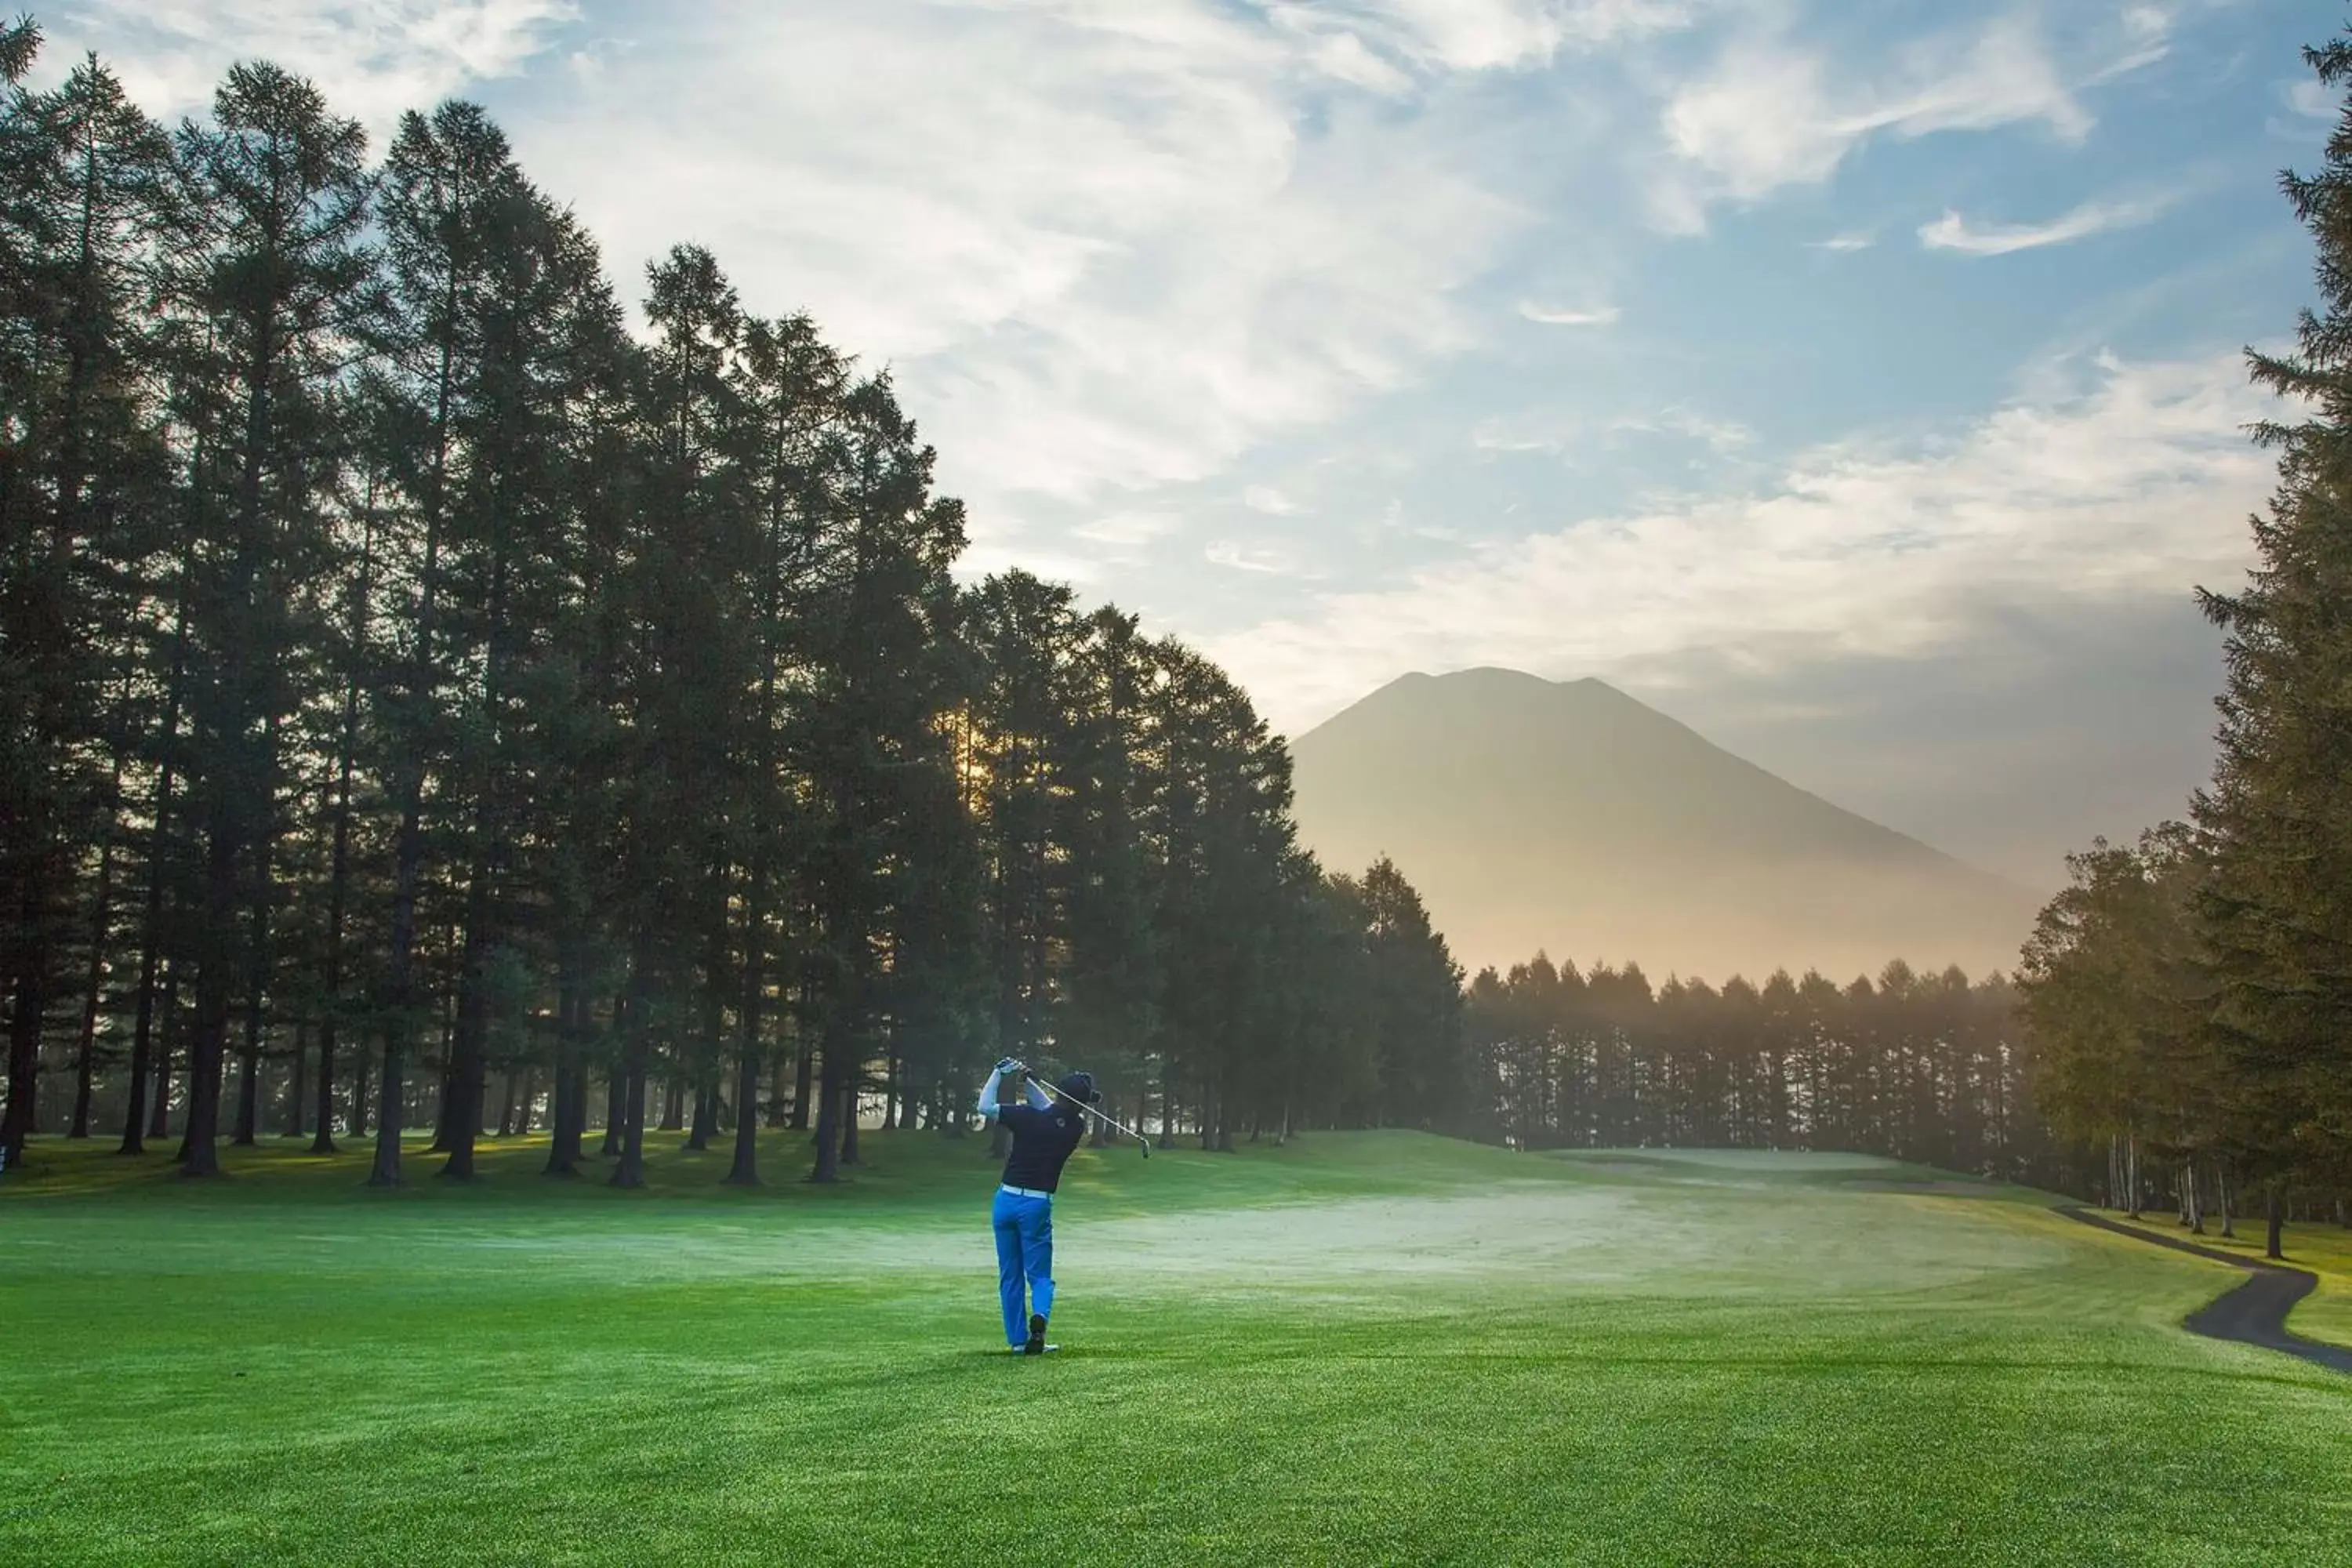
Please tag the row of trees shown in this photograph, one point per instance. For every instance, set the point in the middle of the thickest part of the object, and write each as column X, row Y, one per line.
column 412, row 676
column 2190, row 994
column 1928, row 1067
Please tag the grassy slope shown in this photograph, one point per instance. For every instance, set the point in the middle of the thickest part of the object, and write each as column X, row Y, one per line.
column 1375, row 1347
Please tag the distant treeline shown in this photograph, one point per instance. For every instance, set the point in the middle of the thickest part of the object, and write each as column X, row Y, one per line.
column 412, row 680
column 1917, row 1066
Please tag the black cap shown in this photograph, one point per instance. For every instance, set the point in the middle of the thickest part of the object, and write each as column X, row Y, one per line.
column 1080, row 1087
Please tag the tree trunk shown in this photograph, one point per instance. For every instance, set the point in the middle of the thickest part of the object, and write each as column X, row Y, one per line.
column 23, row 1066
column 78, row 1126
column 249, row 1095
column 563, row 1133
column 706, row 1115
column 150, row 930
column 391, row 1097
column 249, row 1101
column 134, row 1114
column 322, row 1140
column 853, row 1075
column 802, row 1067
column 2277, row 1194
column 339, row 875
column 2221, row 1198
column 299, row 1091
column 208, row 1046
column 358, row 1124
column 158, row 1114
column 616, row 1109
column 444, row 1104
column 94, row 980
column 745, row 1171
column 579, row 1099
column 2195, row 1203
column 467, row 1080
column 828, row 1112
column 631, row 1170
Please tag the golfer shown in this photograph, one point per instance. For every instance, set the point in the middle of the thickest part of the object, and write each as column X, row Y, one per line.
column 1043, row 1132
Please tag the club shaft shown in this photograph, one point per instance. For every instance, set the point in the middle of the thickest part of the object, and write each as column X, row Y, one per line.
column 1082, row 1105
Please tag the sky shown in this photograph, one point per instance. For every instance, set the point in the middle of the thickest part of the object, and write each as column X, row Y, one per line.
column 1861, row 385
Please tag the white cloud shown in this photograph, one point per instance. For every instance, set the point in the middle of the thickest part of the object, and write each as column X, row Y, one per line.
column 1271, row 501
column 1769, row 113
column 2313, row 100
column 1487, row 34
column 373, row 59
column 1345, row 57
column 2134, row 491
column 1242, row 558
column 1128, row 529
column 1721, row 435
column 1554, row 316
column 1847, row 243
column 1552, row 430
column 1952, row 231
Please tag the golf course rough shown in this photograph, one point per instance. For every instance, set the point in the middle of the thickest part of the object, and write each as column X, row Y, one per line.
column 1360, row 1348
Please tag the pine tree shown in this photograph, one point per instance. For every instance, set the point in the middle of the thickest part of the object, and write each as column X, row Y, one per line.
column 82, row 478
column 277, row 280
column 2280, row 821
column 2279, row 907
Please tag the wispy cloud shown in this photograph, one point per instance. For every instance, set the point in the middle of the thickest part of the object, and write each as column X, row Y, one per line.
column 1101, row 244
column 1271, row 501
column 2132, row 492
column 1244, row 558
column 1953, row 232
column 1491, row 35
column 1770, row 112
column 1721, row 435
column 1563, row 316
column 1846, row 243
column 1128, row 529
column 1541, row 429
column 2313, row 100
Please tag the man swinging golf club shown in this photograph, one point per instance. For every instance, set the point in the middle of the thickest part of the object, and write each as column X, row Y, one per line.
column 1045, row 1130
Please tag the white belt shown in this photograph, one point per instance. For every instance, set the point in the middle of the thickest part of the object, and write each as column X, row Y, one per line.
column 1024, row 1192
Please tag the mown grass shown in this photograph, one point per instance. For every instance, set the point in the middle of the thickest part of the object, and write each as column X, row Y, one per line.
column 1370, row 1348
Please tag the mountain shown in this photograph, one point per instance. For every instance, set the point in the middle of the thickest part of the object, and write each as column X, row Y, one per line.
column 1565, row 815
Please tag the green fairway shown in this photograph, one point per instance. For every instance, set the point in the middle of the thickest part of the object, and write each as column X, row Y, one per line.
column 1363, row 1347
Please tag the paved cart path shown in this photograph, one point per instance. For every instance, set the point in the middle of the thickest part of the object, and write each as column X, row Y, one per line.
column 2252, row 1312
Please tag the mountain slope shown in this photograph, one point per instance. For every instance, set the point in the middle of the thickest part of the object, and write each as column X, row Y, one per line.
column 1568, row 816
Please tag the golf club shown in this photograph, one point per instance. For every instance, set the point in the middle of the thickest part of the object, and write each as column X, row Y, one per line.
column 1141, row 1140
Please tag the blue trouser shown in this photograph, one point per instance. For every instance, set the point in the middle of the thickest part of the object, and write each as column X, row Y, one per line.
column 1025, row 1257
